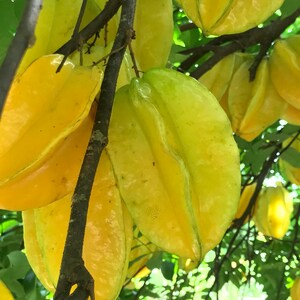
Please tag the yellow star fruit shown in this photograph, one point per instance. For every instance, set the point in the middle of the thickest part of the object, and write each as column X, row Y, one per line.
column 168, row 140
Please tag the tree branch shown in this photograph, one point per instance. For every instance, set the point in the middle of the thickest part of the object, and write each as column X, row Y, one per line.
column 72, row 268
column 224, row 45
column 75, row 32
column 92, row 28
column 22, row 40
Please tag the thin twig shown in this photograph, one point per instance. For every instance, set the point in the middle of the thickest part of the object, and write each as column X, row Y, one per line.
column 72, row 269
column 92, row 28
column 228, row 44
column 22, row 40
column 75, row 35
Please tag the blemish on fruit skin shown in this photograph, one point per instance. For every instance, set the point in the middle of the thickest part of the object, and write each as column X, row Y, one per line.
column 144, row 90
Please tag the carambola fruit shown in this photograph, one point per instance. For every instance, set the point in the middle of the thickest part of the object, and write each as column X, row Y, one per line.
column 153, row 33
column 253, row 105
column 228, row 16
column 273, row 211
column 42, row 109
column 285, row 69
column 107, row 239
column 56, row 23
column 168, row 139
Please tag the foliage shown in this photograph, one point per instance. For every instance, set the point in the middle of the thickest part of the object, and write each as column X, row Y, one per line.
column 245, row 263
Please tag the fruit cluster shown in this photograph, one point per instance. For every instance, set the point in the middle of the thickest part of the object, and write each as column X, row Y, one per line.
column 272, row 210
column 167, row 139
column 228, row 16
column 252, row 106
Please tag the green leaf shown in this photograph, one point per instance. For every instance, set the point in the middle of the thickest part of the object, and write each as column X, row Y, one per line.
column 290, row 129
column 288, row 7
column 167, row 269
column 155, row 261
column 292, row 156
column 10, row 14
column 16, row 288
column 18, row 265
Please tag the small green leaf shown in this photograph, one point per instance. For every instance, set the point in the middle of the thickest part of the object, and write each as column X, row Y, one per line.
column 292, row 156
column 167, row 269
column 155, row 261
column 19, row 265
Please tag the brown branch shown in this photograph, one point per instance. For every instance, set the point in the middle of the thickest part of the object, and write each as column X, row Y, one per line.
column 22, row 40
column 75, row 34
column 292, row 251
column 238, row 223
column 228, row 44
column 260, row 179
column 92, row 28
column 73, row 270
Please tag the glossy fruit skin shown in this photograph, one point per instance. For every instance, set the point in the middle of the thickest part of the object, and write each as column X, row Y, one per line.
column 97, row 56
column 246, row 195
column 255, row 105
column 107, row 240
column 290, row 172
column 55, row 27
column 166, row 167
column 42, row 109
column 285, row 70
column 228, row 16
column 219, row 77
column 153, row 33
column 251, row 106
column 273, row 211
column 291, row 114
column 56, row 176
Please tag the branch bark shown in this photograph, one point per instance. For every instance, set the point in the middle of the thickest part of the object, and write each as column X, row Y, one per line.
column 224, row 45
column 92, row 28
column 22, row 40
column 73, row 270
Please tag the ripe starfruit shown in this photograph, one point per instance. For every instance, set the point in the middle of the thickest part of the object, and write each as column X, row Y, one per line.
column 5, row 292
column 97, row 55
column 107, row 239
column 42, row 109
column 273, row 211
column 290, row 172
column 285, row 69
column 295, row 290
column 168, row 139
column 253, row 105
column 56, row 176
column 246, row 195
column 228, row 16
column 56, row 25
column 218, row 78
column 153, row 33
column 291, row 114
